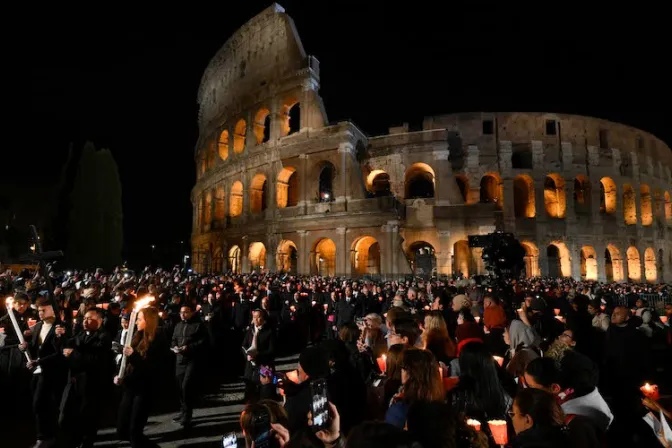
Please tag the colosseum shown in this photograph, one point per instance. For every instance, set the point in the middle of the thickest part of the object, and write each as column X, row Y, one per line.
column 281, row 188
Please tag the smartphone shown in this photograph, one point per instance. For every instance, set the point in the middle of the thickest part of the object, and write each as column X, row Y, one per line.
column 261, row 432
column 230, row 440
column 319, row 404
column 265, row 371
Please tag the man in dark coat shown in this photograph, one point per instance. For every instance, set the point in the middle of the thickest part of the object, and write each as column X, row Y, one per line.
column 90, row 360
column 259, row 346
column 189, row 340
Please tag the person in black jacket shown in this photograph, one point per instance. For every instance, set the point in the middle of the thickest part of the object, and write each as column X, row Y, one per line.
column 49, row 371
column 89, row 358
column 12, row 362
column 259, row 346
column 189, row 339
column 140, row 378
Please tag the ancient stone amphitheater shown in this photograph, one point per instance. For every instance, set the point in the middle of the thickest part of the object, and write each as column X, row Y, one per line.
column 281, row 188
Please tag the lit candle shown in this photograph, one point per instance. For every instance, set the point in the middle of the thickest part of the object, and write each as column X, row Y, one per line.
column 314, row 302
column 474, row 424
column 32, row 323
column 650, row 391
column 426, row 307
column 477, row 319
column 74, row 313
column 9, row 303
column 139, row 305
column 292, row 308
column 382, row 363
column 499, row 431
column 556, row 311
column 326, row 306
column 499, row 360
column 293, row 376
column 663, row 319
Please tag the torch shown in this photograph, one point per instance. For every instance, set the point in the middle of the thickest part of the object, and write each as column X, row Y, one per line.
column 9, row 303
column 139, row 305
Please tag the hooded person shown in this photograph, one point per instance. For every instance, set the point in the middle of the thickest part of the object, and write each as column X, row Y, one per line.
column 524, row 342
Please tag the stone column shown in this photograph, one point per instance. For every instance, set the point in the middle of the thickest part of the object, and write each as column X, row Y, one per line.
column 600, row 249
column 570, row 210
column 443, row 255
column 575, row 260
column 342, row 252
column 595, row 200
column 508, row 212
column 305, row 182
column 308, row 94
column 303, row 263
column 245, row 255
column 345, row 149
column 567, row 155
column 446, row 191
column 276, row 120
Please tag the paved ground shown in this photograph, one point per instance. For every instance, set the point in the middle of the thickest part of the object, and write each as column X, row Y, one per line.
column 217, row 414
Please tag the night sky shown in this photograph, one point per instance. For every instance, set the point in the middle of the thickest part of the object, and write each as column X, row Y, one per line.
column 128, row 82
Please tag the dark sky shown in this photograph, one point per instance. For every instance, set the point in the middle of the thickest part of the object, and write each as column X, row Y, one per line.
column 128, row 82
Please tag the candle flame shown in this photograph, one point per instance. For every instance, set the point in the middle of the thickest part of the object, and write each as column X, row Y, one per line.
column 9, row 301
column 384, row 357
column 140, row 304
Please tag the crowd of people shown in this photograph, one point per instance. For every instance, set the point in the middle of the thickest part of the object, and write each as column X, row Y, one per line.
column 439, row 362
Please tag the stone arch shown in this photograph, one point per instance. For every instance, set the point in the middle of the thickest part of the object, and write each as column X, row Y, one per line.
column 220, row 204
column 668, row 208
column 531, row 259
column 234, row 259
column 559, row 260
column 287, row 187
column 365, row 256
column 463, row 185
column 287, row 257
column 634, row 264
column 523, row 197
column 323, row 258
column 554, row 196
column 491, row 189
column 650, row 269
column 223, row 145
column 257, row 256
column 207, row 209
column 258, row 193
column 581, row 194
column 236, row 199
column 239, row 136
column 462, row 258
column 378, row 183
column 422, row 257
column 588, row 263
column 262, row 125
column 291, row 117
column 646, row 206
column 608, row 197
column 629, row 205
column 325, row 181
column 613, row 264
column 419, row 181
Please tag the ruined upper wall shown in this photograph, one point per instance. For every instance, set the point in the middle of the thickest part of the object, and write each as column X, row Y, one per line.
column 259, row 55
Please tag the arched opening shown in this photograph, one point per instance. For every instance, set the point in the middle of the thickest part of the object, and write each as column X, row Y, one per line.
column 378, row 183
column 223, row 145
column 288, row 188
column 294, row 119
column 634, row 264
column 234, row 259
column 323, row 258
column 531, row 259
column 419, row 181
column 239, row 135
column 461, row 258
column 286, row 258
column 491, row 190
column 422, row 257
column 554, row 196
column 650, row 269
column 365, row 256
column 559, row 261
column 629, row 205
column 523, row 197
column 588, row 263
column 646, row 205
column 668, row 208
column 326, row 182
column 207, row 217
column 463, row 186
column 220, row 204
column 257, row 256
column 258, row 193
column 581, row 194
column 262, row 125
column 613, row 262
column 607, row 196
column 236, row 199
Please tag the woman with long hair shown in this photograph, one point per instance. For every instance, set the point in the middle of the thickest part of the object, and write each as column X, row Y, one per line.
column 140, row 378
column 538, row 420
column 420, row 382
column 436, row 339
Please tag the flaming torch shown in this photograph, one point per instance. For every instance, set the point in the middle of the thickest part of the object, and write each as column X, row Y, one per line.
column 139, row 305
column 9, row 303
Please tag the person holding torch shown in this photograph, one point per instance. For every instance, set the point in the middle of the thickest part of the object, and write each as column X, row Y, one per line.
column 138, row 376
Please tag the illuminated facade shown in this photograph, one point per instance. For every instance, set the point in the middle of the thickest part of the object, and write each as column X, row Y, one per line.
column 280, row 188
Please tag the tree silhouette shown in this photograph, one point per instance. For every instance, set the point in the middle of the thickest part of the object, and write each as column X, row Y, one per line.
column 95, row 224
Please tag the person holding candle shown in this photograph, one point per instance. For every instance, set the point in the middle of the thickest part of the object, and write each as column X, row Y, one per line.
column 12, row 361
column 144, row 360
column 537, row 420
